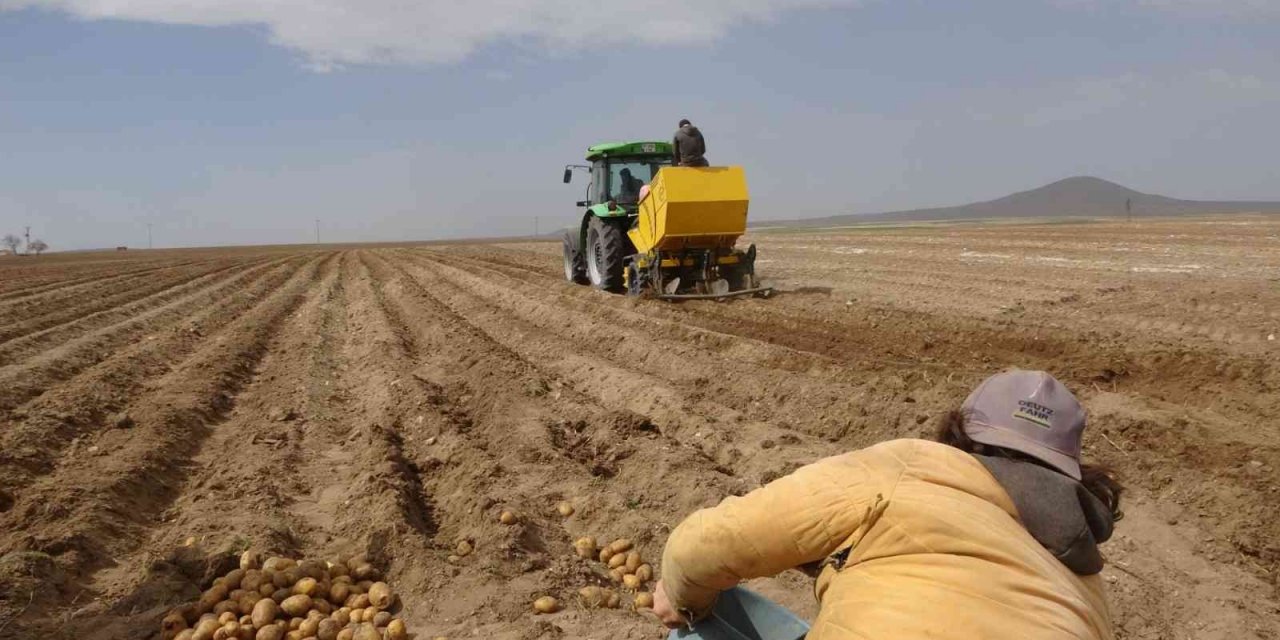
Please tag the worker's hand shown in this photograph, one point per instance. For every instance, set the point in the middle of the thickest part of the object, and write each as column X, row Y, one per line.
column 663, row 609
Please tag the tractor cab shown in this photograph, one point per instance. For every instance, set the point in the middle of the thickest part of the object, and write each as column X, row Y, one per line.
column 616, row 174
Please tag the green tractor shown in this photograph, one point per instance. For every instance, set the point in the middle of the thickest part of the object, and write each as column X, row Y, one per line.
column 594, row 252
column 674, row 239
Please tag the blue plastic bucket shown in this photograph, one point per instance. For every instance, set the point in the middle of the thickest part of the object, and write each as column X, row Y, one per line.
column 740, row 614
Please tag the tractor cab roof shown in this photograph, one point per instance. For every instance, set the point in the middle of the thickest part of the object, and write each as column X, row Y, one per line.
column 639, row 148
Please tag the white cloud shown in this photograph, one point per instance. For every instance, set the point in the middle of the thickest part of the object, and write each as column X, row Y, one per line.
column 331, row 33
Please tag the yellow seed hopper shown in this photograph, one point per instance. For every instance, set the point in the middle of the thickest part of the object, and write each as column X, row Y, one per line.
column 684, row 236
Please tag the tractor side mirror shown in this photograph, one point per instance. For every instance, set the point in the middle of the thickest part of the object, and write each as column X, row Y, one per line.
column 584, row 203
column 568, row 175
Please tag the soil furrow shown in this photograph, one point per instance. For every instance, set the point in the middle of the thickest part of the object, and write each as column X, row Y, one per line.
column 22, row 381
column 25, row 322
column 126, row 479
column 30, row 338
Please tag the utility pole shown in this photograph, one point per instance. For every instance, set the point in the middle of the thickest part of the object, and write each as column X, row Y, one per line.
column 149, row 245
column 317, row 230
column 28, row 240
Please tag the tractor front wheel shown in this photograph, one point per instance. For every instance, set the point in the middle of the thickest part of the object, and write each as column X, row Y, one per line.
column 575, row 263
column 606, row 247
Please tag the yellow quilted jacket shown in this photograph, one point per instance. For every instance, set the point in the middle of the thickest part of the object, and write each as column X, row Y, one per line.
column 935, row 550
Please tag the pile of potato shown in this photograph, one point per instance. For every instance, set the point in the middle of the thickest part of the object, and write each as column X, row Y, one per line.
column 626, row 567
column 283, row 599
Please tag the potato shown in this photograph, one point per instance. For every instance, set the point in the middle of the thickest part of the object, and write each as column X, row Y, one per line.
column 251, row 559
column 507, row 517
column 277, row 563
column 252, row 580
column 366, row 632
column 304, row 587
column 313, row 569
column 294, row 635
column 248, row 602
column 360, row 601
column 644, row 600
column 296, row 605
column 226, row 617
column 633, row 562
column 328, row 629
column 611, row 599
column 266, row 589
column 204, row 630
column 382, row 619
column 644, row 572
column 591, row 597
column 264, row 612
column 210, row 598
column 294, row 623
column 357, row 616
column 309, row 627
column 279, row 595
column 620, row 545
column 229, row 631
column 337, row 568
column 356, row 560
column 185, row 634
column 172, row 624
column 585, row 547
column 363, row 586
column 236, row 594
column 365, row 571
column 234, row 578
column 322, row 607
column 341, row 616
column 396, row 630
column 246, row 632
column 546, row 604
column 346, row 634
column 245, row 620
column 618, row 560
column 565, row 509
column 338, row 593
column 225, row 607
column 631, row 582
column 464, row 548
column 381, row 595
column 272, row 632
column 616, row 575
column 606, row 554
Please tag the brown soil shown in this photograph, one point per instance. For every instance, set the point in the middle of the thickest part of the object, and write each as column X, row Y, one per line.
column 395, row 400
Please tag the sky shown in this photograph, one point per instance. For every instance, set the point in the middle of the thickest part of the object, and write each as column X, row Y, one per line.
column 223, row 122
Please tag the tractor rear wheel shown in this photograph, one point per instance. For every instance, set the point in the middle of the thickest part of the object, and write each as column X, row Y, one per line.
column 575, row 263
column 606, row 246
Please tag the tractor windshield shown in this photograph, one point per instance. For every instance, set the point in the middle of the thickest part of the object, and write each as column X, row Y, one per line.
column 626, row 178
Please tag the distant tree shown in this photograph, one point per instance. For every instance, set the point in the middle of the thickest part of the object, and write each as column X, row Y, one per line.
column 38, row 246
column 12, row 242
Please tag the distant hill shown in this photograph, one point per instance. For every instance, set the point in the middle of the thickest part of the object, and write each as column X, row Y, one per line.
column 1081, row 196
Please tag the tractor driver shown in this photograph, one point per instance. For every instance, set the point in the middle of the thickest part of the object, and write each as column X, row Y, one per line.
column 629, row 189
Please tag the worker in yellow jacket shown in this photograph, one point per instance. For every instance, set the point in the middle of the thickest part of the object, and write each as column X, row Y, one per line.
column 990, row 532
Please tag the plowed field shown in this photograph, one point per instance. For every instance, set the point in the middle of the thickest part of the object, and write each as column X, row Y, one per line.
column 160, row 410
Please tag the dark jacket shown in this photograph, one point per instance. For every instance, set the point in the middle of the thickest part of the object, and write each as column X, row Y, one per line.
column 688, row 149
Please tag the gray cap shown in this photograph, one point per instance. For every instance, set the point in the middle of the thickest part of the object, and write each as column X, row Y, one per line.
column 1029, row 412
